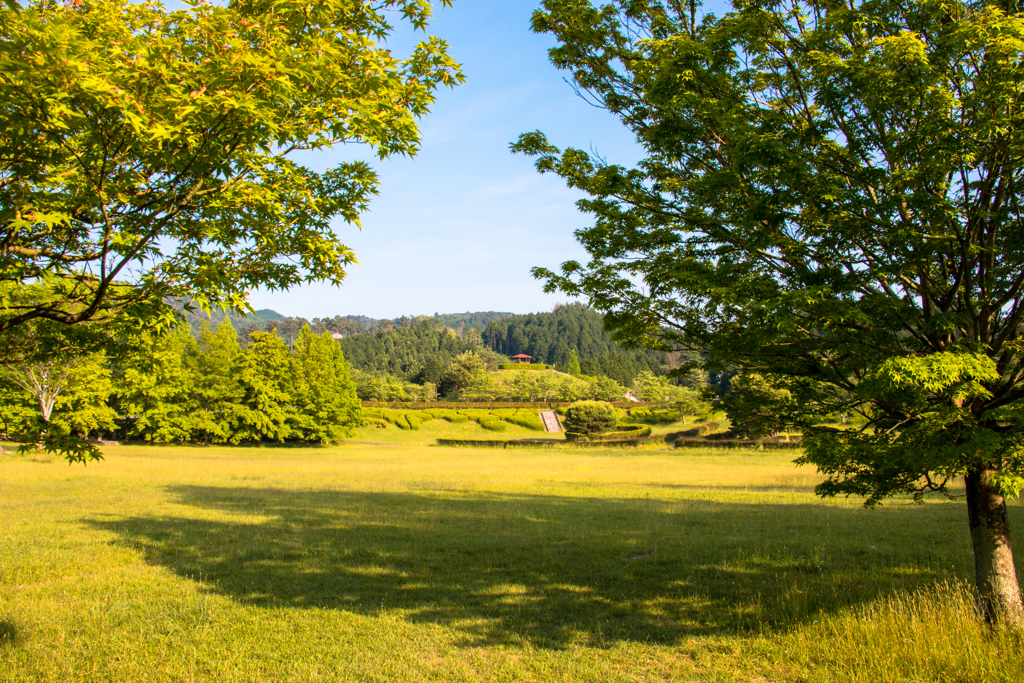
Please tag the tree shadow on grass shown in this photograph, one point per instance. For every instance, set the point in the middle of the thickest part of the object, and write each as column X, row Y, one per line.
column 9, row 633
column 548, row 570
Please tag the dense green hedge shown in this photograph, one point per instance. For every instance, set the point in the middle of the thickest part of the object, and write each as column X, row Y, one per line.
column 524, row 415
column 639, row 432
column 656, row 415
column 521, row 443
column 496, row 443
column 523, row 366
column 700, row 430
column 530, row 420
column 635, row 432
column 473, row 443
column 690, row 442
column 621, row 443
column 489, row 405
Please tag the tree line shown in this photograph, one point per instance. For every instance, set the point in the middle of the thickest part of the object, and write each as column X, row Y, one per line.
column 266, row 320
column 177, row 387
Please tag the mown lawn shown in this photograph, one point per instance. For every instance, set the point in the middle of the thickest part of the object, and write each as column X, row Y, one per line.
column 419, row 563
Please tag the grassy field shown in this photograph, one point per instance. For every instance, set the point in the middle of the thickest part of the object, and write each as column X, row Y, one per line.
column 417, row 563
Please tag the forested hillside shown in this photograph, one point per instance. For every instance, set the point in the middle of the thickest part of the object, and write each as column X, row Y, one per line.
column 551, row 338
column 464, row 321
column 406, row 350
column 421, row 350
column 266, row 320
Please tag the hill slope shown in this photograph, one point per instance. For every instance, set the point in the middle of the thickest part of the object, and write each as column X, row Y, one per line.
column 551, row 338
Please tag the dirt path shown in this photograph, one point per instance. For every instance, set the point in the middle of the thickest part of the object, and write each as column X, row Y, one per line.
column 550, row 420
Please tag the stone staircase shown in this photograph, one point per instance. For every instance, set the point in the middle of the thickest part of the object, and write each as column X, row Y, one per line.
column 550, row 420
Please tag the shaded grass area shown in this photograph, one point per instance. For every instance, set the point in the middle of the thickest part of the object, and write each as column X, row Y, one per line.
column 547, row 570
column 377, row 563
column 8, row 633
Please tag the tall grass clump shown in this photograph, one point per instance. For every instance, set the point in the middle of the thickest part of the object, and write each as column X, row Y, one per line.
column 932, row 634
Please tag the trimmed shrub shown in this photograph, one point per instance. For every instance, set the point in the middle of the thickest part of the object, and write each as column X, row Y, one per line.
column 623, row 433
column 374, row 422
column 528, row 419
column 413, row 420
column 727, row 435
column 523, row 366
column 475, row 413
column 518, row 443
column 741, row 444
column 421, row 415
column 561, row 410
column 778, row 440
column 698, row 431
column 455, row 418
column 523, row 443
column 409, row 405
column 655, row 416
column 590, row 417
column 633, row 432
column 495, row 443
column 504, row 412
column 494, row 425
column 621, row 443
column 543, row 405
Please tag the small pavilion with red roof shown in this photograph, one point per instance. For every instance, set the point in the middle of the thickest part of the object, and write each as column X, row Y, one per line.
column 522, row 358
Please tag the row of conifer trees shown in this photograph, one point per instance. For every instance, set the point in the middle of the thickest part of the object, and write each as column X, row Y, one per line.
column 180, row 388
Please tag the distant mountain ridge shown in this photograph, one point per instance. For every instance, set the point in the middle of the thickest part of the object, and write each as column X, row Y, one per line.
column 344, row 324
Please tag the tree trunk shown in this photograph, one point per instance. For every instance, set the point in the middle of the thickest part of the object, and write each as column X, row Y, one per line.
column 994, row 573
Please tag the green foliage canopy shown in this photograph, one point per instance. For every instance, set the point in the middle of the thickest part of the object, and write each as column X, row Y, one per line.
column 155, row 148
column 828, row 197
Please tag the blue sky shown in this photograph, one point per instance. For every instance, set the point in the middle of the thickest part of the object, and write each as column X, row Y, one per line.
column 458, row 227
